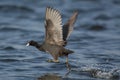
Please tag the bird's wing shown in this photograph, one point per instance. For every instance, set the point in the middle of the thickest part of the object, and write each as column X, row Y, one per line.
column 53, row 27
column 68, row 27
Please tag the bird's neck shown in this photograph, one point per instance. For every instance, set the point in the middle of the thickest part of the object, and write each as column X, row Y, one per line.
column 39, row 47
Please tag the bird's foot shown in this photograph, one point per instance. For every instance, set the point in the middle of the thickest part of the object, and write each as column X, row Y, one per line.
column 51, row 60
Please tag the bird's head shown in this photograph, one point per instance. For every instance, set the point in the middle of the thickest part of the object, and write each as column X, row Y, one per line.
column 31, row 43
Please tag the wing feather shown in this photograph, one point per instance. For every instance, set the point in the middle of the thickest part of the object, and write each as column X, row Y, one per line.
column 53, row 27
column 68, row 27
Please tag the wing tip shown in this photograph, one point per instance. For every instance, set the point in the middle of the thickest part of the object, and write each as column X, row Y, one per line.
column 51, row 8
column 53, row 14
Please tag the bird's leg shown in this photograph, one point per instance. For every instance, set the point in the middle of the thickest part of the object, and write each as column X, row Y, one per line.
column 53, row 60
column 67, row 64
column 68, row 67
column 49, row 60
column 66, row 59
column 56, row 61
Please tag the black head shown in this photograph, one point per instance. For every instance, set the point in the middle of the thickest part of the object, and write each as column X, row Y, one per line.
column 32, row 43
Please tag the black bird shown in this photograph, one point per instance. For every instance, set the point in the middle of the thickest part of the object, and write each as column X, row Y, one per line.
column 55, row 34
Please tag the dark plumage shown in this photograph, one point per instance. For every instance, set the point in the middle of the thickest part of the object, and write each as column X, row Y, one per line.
column 55, row 35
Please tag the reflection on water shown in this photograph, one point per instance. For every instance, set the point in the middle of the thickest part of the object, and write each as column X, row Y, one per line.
column 95, row 40
column 50, row 77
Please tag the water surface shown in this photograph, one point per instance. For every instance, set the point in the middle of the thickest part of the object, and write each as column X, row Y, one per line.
column 95, row 40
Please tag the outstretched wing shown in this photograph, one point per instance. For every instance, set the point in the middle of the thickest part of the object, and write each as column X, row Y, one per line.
column 53, row 27
column 68, row 27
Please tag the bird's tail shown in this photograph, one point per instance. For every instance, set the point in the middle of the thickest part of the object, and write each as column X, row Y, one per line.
column 67, row 52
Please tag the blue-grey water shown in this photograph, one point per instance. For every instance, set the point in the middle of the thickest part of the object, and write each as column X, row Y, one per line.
column 95, row 40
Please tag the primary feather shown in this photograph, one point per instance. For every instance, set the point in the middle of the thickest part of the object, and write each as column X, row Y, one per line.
column 68, row 27
column 53, row 26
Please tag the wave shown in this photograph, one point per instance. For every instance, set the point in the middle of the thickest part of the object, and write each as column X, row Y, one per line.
column 9, row 48
column 11, row 29
column 8, row 60
column 15, row 8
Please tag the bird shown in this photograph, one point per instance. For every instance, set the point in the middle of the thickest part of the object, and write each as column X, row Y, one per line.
column 56, row 35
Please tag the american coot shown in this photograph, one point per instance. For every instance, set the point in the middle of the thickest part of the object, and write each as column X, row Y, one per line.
column 55, row 34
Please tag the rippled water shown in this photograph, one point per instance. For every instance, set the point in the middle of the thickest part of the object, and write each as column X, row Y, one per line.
column 95, row 40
